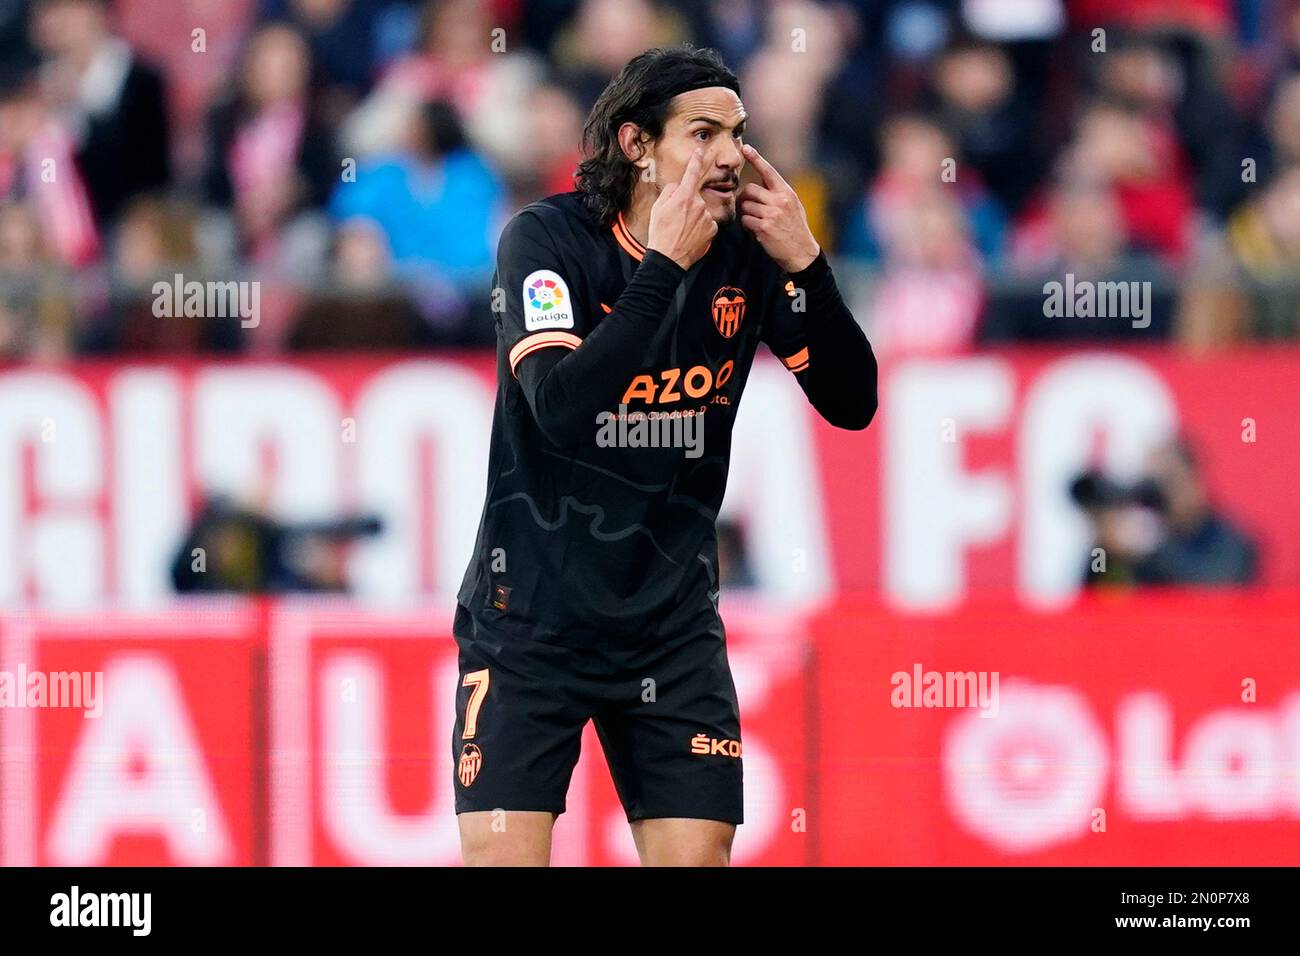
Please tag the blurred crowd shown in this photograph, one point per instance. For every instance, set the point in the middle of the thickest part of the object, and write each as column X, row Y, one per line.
column 359, row 157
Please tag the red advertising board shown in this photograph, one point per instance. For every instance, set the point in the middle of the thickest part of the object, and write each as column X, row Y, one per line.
column 151, row 757
column 360, row 756
column 1162, row 729
column 959, row 487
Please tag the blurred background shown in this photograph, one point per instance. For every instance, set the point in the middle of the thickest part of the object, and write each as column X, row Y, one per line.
column 1102, row 504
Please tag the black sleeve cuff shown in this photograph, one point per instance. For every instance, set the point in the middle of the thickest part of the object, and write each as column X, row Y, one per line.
column 815, row 271
column 657, row 261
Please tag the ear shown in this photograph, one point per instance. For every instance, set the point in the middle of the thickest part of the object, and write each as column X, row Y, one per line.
column 635, row 143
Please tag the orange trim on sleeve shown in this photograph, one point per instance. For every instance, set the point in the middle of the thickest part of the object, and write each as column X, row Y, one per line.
column 607, row 309
column 797, row 362
column 541, row 340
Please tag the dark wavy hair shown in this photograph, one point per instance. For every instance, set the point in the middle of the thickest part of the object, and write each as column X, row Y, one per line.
column 640, row 94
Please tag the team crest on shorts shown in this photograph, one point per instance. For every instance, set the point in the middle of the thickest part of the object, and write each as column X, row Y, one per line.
column 728, row 310
column 471, row 762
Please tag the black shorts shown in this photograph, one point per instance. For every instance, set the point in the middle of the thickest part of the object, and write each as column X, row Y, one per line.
column 666, row 716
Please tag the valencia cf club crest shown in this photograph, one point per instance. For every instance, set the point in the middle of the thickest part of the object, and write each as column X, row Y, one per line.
column 471, row 762
column 728, row 310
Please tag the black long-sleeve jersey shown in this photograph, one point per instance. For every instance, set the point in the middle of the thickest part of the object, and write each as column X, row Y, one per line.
column 619, row 378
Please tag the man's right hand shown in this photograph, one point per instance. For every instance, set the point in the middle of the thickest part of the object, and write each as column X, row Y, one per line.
column 680, row 225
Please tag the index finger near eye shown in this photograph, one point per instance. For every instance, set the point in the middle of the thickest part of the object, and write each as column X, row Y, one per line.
column 771, row 178
column 694, row 170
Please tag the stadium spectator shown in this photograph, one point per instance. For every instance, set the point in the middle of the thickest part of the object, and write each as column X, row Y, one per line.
column 37, row 166
column 154, row 239
column 1143, row 163
column 1083, row 235
column 853, row 98
column 111, row 105
column 554, row 130
column 927, row 230
column 785, row 91
column 438, row 202
column 1181, row 97
column 1200, row 546
column 344, row 46
column 21, row 248
column 270, row 156
column 1275, row 144
column 466, row 57
column 823, row 42
column 919, row 159
column 929, row 296
column 1162, row 530
column 605, row 34
column 735, row 29
column 363, row 308
column 975, row 99
column 1264, row 242
column 36, row 314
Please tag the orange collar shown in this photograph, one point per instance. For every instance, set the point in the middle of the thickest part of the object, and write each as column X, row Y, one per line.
column 629, row 243
column 625, row 239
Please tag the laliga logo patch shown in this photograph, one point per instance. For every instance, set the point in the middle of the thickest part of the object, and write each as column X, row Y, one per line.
column 547, row 303
column 471, row 762
column 728, row 310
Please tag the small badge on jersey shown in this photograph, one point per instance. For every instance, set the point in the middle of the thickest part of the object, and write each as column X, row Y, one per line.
column 728, row 310
column 470, row 763
column 547, row 303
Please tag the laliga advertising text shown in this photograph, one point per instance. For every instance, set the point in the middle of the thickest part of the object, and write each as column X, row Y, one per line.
column 1227, row 765
column 75, row 908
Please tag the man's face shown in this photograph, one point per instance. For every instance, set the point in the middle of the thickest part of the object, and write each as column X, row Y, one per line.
column 65, row 27
column 712, row 119
column 1180, row 483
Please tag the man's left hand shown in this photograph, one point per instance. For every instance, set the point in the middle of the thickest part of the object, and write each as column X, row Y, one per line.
column 774, row 214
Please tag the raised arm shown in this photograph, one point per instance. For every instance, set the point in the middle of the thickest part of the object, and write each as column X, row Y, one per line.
column 568, row 363
column 807, row 324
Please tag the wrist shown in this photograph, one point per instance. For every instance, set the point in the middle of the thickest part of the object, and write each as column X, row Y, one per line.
column 802, row 261
column 657, row 258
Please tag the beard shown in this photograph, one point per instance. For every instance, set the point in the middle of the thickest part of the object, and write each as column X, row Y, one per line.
column 727, row 212
column 728, row 209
